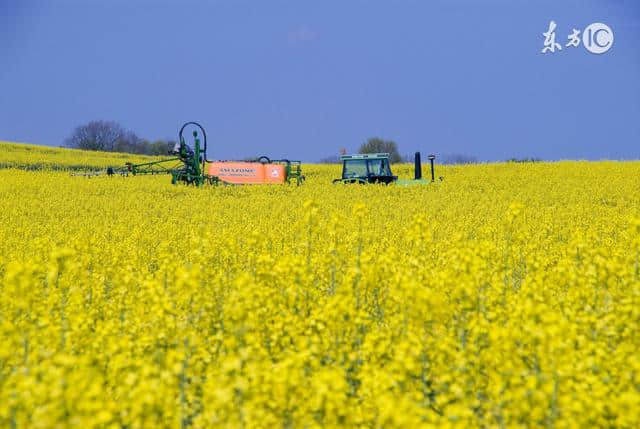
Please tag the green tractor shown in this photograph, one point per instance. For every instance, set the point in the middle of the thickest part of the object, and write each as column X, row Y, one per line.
column 376, row 168
column 366, row 168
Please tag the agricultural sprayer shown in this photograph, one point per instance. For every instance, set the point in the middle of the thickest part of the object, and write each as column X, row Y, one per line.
column 189, row 165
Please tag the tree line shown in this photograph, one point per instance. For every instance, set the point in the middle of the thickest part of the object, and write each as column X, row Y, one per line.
column 109, row 136
column 379, row 145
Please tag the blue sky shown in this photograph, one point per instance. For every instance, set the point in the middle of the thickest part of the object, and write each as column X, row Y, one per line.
column 301, row 79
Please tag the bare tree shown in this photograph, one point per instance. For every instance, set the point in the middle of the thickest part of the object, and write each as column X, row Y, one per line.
column 159, row 147
column 378, row 145
column 96, row 135
column 110, row 136
column 129, row 142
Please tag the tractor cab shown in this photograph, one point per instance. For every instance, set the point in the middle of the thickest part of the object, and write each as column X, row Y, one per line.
column 366, row 168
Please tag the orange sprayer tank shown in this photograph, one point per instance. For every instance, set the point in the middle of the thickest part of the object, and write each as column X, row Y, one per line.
column 249, row 173
column 274, row 173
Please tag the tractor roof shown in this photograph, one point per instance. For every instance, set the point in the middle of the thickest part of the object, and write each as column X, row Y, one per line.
column 365, row 156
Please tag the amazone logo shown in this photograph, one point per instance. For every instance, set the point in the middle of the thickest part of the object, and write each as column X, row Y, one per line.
column 237, row 170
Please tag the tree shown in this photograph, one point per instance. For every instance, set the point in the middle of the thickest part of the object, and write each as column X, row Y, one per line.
column 378, row 145
column 96, row 135
column 159, row 147
column 110, row 136
column 526, row 159
column 458, row 158
column 129, row 142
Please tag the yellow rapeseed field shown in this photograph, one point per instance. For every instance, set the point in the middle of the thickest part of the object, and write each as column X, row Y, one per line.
column 507, row 295
column 34, row 158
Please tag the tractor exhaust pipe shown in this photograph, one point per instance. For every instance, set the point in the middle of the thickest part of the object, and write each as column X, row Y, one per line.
column 432, row 157
column 418, row 167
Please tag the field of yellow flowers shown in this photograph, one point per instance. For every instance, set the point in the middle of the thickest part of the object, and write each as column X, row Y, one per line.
column 507, row 295
column 35, row 158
